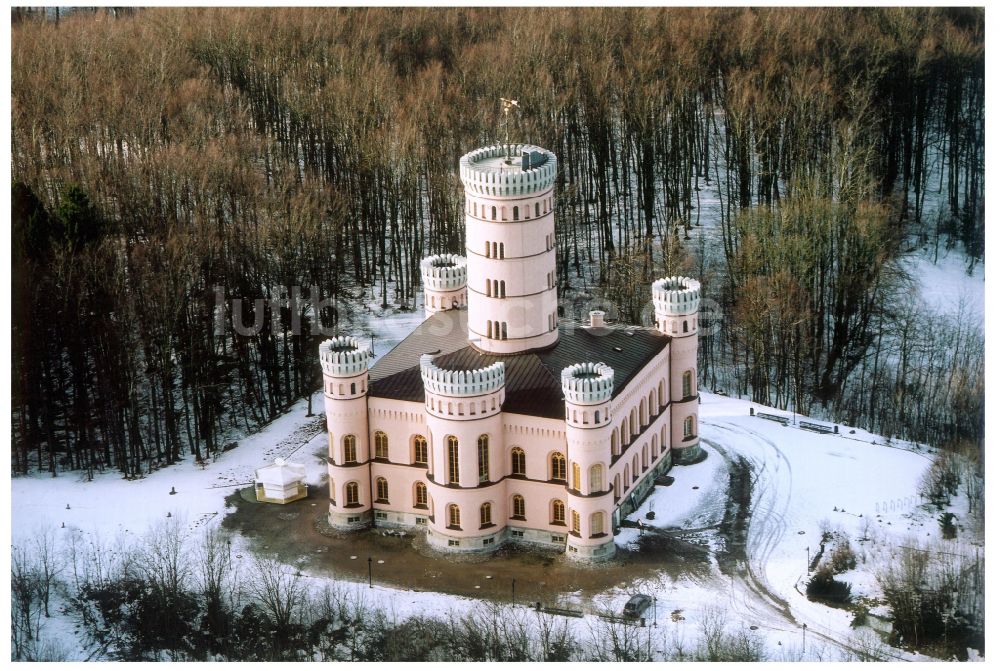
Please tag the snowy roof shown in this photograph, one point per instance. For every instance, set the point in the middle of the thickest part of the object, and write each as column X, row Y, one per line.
column 281, row 473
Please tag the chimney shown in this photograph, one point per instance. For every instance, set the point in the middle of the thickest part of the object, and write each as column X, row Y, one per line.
column 596, row 318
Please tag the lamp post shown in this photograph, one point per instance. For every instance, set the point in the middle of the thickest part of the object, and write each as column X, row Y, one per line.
column 512, row 583
column 369, row 573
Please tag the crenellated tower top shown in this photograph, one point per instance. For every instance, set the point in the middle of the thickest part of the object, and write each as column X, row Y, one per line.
column 444, row 272
column 676, row 295
column 344, row 356
column 461, row 383
column 588, row 383
column 486, row 172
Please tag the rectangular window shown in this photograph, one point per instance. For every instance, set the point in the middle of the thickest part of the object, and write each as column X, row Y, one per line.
column 452, row 544
column 422, row 520
column 452, row 460
column 488, row 541
column 381, row 516
column 576, row 476
column 576, row 522
column 558, row 539
column 517, row 534
column 484, row 459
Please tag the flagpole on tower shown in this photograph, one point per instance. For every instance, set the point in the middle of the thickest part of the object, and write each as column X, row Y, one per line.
column 508, row 105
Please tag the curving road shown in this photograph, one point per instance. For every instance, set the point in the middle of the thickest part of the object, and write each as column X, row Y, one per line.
column 764, row 524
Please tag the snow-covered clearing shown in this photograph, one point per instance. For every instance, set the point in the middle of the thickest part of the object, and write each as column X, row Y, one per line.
column 799, row 479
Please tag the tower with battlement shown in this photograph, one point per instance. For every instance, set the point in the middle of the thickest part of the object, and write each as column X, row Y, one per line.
column 675, row 306
column 444, row 277
column 345, row 397
column 587, row 388
column 510, row 246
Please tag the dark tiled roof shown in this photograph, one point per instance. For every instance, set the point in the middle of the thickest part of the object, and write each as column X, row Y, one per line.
column 532, row 379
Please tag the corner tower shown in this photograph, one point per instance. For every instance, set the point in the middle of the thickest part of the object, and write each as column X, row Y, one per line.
column 444, row 278
column 587, row 388
column 510, row 247
column 675, row 303
column 345, row 397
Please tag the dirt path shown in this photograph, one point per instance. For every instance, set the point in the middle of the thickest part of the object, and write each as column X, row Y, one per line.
column 297, row 534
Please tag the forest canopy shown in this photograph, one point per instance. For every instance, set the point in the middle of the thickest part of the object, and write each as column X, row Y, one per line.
column 162, row 153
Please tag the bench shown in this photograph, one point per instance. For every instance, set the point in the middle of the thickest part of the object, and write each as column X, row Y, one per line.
column 781, row 419
column 818, row 428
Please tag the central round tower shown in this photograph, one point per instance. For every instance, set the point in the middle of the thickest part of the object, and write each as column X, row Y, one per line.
column 510, row 248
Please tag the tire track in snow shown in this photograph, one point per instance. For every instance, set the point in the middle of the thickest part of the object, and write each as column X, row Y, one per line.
column 765, row 528
column 765, row 522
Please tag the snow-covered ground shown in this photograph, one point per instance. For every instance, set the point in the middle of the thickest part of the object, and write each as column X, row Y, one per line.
column 800, row 478
column 948, row 285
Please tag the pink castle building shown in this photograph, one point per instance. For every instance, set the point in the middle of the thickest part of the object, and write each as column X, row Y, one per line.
column 493, row 421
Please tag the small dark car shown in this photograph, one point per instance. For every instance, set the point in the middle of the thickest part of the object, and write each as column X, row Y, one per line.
column 637, row 605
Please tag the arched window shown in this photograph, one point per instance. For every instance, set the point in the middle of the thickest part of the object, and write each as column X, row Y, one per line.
column 597, row 524
column 420, row 495
column 662, row 395
column 576, row 522
column 503, row 289
column 494, row 250
column 503, row 331
column 350, row 449
column 517, row 461
column 652, row 402
column 494, row 212
column 624, row 434
column 686, row 385
column 483, row 450
column 487, row 255
column 537, row 210
column 381, row 445
column 689, row 427
column 596, row 478
column 496, row 288
column 654, row 446
column 485, row 515
column 576, row 476
column 454, row 517
column 558, row 512
column 645, row 457
column 354, row 388
column 518, row 506
column 633, row 422
column 489, row 329
column 627, row 480
column 420, row 450
column 351, row 493
column 558, row 467
column 489, row 287
column 685, row 326
column 635, row 467
column 643, row 419
column 381, row 490
column 452, row 460
column 516, row 213
column 618, row 487
column 503, row 213
column 501, row 250
column 614, row 442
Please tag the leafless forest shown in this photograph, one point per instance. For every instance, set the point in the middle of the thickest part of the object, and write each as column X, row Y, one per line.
column 788, row 157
